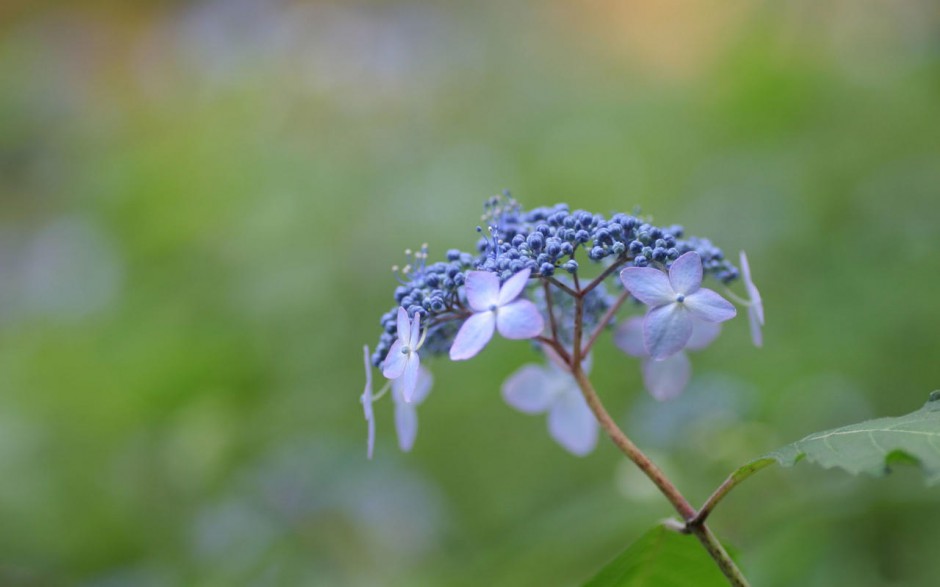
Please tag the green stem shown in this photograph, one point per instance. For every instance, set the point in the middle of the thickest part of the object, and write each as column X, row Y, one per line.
column 733, row 480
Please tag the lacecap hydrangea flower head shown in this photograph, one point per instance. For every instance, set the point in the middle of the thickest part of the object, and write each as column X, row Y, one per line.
column 557, row 278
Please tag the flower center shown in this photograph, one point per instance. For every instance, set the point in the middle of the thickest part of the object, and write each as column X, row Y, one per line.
column 680, row 298
column 493, row 308
column 405, row 350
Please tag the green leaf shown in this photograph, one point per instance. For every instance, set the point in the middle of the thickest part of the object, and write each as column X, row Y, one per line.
column 869, row 447
column 661, row 558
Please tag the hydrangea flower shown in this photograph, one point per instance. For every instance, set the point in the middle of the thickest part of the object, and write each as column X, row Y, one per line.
column 495, row 308
column 665, row 379
column 366, row 400
column 755, row 307
column 674, row 301
column 406, row 413
column 402, row 360
column 535, row 389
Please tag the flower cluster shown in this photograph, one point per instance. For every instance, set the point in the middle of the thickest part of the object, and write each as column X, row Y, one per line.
column 526, row 281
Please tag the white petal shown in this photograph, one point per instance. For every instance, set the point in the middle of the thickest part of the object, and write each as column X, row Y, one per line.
column 571, row 423
column 709, row 306
column 650, row 286
column 394, row 363
column 666, row 329
column 366, row 399
column 519, row 319
column 757, row 337
column 755, row 311
column 752, row 290
column 629, row 337
column 415, row 332
column 685, row 274
column 404, row 327
column 473, row 335
column 513, row 287
column 422, row 387
column 482, row 289
column 406, row 425
column 409, row 377
column 666, row 379
column 703, row 334
column 530, row 389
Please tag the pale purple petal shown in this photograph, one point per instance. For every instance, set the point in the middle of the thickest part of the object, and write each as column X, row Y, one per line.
column 406, row 425
column 666, row 379
column 650, row 286
column 629, row 337
column 707, row 305
column 685, row 274
column 572, row 425
column 394, row 362
column 513, row 287
column 422, row 387
column 666, row 329
column 755, row 311
column 482, row 290
column 409, row 377
column 519, row 319
column 415, row 331
column 752, row 291
column 703, row 334
column 530, row 389
column 366, row 400
column 404, row 327
column 473, row 336
column 757, row 337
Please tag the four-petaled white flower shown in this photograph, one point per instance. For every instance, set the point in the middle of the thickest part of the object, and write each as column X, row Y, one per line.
column 402, row 360
column 665, row 379
column 495, row 308
column 673, row 302
column 406, row 412
column 535, row 389
column 366, row 400
column 755, row 307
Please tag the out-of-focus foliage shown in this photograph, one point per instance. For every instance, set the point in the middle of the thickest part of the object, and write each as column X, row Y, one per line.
column 200, row 203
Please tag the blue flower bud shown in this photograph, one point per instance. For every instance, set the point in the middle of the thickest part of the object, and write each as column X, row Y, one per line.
column 659, row 254
column 636, row 247
column 597, row 253
column 535, row 241
column 570, row 266
column 619, row 248
column 547, row 269
column 640, row 261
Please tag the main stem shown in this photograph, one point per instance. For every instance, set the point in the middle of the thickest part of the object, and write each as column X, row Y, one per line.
column 655, row 474
column 694, row 523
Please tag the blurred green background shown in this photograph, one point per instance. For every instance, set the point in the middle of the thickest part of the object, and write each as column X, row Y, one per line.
column 200, row 203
